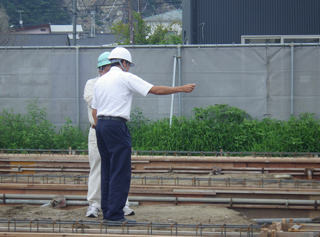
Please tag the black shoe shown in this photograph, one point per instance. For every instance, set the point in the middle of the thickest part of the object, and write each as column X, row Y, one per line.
column 131, row 213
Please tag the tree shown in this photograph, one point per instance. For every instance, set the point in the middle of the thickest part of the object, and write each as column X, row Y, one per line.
column 36, row 12
column 122, row 31
column 142, row 33
column 163, row 35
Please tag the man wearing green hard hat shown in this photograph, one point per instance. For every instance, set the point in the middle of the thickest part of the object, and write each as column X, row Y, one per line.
column 94, row 179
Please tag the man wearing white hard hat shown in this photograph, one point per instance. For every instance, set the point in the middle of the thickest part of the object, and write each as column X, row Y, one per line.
column 112, row 100
column 94, row 179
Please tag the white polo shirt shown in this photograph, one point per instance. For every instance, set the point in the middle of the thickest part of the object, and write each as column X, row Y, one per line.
column 113, row 92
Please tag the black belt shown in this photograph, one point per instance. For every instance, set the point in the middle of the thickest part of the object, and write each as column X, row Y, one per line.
column 111, row 118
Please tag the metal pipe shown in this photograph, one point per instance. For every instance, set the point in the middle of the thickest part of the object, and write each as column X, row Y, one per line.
column 169, row 46
column 13, row 199
column 74, row 21
column 39, row 196
column 77, row 87
column 228, row 200
column 40, row 202
column 292, row 81
column 173, row 85
column 179, row 80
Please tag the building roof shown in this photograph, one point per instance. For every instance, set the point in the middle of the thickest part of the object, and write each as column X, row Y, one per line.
column 27, row 28
column 99, row 39
column 34, row 40
column 170, row 16
column 54, row 40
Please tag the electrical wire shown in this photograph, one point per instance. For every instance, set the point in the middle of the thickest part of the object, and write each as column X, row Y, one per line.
column 110, row 10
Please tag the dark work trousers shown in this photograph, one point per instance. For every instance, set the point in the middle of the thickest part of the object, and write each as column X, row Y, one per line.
column 114, row 143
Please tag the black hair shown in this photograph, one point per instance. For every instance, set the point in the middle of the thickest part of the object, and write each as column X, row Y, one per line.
column 101, row 68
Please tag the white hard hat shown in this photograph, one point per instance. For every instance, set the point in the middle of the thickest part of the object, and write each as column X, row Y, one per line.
column 120, row 53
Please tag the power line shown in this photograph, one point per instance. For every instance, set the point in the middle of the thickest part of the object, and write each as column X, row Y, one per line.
column 110, row 10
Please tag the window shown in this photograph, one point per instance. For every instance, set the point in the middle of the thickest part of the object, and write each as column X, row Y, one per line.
column 262, row 41
column 279, row 39
column 302, row 40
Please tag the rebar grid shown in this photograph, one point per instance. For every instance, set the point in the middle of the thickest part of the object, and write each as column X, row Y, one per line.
column 169, row 153
column 166, row 181
column 126, row 228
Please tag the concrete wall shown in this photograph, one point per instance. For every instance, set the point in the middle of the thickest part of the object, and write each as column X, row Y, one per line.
column 264, row 80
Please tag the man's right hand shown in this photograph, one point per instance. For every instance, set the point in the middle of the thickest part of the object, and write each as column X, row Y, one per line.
column 188, row 87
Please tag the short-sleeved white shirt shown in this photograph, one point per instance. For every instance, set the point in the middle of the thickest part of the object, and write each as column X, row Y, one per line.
column 113, row 92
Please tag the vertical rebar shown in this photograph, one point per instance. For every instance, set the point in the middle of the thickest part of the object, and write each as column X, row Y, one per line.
column 176, row 224
column 53, row 222
column 59, row 226
column 193, row 181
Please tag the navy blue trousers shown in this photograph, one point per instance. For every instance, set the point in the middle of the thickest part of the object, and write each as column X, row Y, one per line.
column 114, row 144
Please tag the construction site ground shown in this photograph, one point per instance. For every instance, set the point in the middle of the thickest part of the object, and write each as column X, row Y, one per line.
column 155, row 213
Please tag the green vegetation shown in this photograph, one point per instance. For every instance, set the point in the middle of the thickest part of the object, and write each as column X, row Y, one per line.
column 230, row 129
column 36, row 12
column 210, row 129
column 143, row 34
column 34, row 131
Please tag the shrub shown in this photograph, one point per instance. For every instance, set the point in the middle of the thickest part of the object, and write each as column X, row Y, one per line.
column 210, row 129
column 34, row 131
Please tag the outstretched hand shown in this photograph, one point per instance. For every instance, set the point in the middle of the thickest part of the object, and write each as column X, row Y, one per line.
column 188, row 87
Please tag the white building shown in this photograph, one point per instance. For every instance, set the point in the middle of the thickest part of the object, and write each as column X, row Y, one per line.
column 171, row 19
column 66, row 29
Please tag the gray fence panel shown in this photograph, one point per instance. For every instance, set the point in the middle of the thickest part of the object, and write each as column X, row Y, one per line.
column 45, row 75
column 306, row 80
column 278, row 85
column 257, row 79
column 228, row 75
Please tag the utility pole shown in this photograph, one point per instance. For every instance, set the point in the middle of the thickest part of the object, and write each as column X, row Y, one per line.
column 93, row 24
column 138, row 6
column 131, row 29
column 74, row 21
column 20, row 18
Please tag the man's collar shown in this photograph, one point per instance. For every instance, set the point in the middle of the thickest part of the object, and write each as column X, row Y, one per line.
column 115, row 68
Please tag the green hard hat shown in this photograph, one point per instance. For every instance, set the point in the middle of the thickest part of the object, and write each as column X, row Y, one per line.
column 103, row 59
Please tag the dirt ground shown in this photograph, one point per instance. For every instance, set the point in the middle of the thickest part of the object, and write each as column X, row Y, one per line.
column 182, row 214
